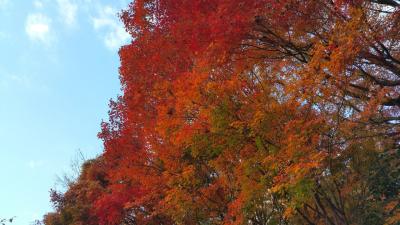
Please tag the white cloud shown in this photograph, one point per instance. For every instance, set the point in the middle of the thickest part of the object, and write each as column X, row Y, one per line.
column 4, row 35
column 37, row 27
column 38, row 4
column 4, row 3
column 33, row 164
column 25, row 81
column 112, row 30
column 15, row 81
column 105, row 17
column 68, row 11
column 116, row 38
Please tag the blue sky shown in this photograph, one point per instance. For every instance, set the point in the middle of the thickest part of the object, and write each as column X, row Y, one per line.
column 58, row 70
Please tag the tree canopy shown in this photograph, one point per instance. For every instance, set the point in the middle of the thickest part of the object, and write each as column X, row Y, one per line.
column 249, row 112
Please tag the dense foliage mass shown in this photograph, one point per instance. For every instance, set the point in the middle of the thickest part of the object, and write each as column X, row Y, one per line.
column 249, row 112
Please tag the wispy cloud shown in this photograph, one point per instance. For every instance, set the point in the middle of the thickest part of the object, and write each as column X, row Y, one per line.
column 38, row 4
column 33, row 164
column 107, row 23
column 13, row 80
column 4, row 3
column 14, row 83
column 37, row 27
column 4, row 35
column 25, row 81
column 20, row 82
column 68, row 11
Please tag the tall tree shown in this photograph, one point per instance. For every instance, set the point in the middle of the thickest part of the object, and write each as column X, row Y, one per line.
column 255, row 112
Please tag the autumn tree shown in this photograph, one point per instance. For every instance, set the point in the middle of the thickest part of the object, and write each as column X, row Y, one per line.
column 251, row 112
column 76, row 204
